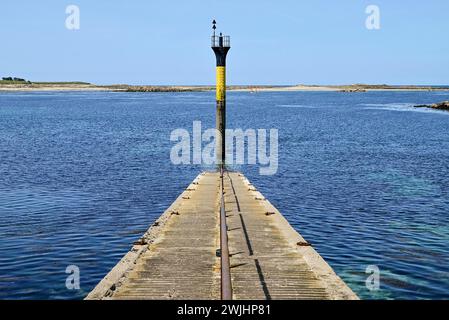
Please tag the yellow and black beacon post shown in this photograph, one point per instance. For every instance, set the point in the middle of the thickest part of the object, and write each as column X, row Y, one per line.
column 221, row 45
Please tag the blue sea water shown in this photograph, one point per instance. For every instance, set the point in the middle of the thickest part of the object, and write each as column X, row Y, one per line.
column 364, row 177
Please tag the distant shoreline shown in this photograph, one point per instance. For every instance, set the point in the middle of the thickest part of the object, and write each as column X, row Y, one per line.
column 73, row 86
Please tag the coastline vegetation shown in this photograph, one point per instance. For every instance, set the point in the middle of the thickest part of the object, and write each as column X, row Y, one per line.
column 21, row 81
column 18, row 84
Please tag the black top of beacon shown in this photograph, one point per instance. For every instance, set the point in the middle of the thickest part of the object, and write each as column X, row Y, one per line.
column 221, row 45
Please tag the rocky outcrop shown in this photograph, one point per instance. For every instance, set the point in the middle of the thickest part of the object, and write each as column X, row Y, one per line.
column 353, row 90
column 438, row 106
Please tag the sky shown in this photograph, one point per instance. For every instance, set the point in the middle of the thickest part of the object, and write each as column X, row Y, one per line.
column 273, row 42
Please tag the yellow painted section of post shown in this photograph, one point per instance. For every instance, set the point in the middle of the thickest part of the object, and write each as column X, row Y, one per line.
column 221, row 83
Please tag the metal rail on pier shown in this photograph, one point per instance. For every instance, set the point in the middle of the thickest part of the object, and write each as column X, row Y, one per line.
column 176, row 258
column 226, row 286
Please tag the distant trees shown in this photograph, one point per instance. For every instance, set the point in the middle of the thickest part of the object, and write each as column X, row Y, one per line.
column 14, row 79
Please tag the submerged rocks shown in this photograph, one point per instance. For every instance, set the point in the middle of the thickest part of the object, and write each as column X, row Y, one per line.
column 438, row 106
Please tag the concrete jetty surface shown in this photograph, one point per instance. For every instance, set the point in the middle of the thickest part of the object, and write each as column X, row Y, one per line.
column 177, row 257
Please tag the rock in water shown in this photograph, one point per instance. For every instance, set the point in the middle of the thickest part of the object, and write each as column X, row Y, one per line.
column 438, row 106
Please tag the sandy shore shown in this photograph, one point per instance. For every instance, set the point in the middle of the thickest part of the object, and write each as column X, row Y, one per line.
column 31, row 88
column 282, row 89
column 342, row 88
column 254, row 89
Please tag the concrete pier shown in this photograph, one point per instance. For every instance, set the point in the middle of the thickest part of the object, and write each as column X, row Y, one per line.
column 177, row 257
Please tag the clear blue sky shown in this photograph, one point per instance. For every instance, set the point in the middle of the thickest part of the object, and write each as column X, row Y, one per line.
column 273, row 42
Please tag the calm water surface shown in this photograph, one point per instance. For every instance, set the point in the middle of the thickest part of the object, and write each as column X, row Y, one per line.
column 363, row 177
